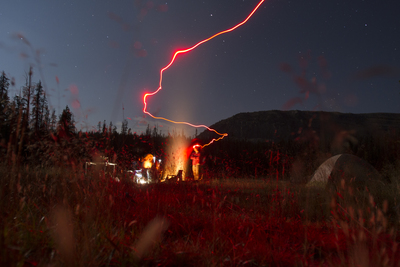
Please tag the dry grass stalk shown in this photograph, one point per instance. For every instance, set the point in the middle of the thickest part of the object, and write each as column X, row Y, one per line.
column 150, row 236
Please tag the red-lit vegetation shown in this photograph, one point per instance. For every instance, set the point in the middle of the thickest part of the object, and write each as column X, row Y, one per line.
column 245, row 212
column 63, row 217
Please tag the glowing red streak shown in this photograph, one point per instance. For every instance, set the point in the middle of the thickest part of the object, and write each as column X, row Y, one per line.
column 172, row 61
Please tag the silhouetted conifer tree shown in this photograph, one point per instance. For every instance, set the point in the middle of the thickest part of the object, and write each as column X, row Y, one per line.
column 39, row 104
column 4, row 105
column 53, row 121
column 15, row 118
column 66, row 124
column 27, row 95
column 46, row 114
column 104, row 127
column 113, row 129
column 124, row 127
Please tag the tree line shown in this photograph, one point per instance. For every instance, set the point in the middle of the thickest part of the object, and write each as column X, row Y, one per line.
column 25, row 118
column 32, row 133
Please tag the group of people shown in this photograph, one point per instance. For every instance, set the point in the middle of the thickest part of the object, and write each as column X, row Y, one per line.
column 149, row 166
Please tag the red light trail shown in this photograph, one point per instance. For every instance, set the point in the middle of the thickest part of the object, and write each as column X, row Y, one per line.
column 221, row 135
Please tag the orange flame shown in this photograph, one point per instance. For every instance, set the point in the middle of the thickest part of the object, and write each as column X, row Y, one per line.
column 222, row 135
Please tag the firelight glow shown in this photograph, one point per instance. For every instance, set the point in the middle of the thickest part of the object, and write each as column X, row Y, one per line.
column 221, row 135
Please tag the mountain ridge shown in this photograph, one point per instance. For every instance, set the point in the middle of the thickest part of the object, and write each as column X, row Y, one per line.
column 276, row 125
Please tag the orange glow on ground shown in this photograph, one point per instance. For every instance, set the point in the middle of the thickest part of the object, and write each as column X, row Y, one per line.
column 221, row 135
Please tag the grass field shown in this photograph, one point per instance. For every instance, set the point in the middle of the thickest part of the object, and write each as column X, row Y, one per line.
column 62, row 217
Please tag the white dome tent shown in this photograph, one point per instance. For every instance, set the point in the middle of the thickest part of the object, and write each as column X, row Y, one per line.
column 352, row 169
column 351, row 181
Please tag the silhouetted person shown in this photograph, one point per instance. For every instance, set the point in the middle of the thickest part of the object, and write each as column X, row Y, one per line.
column 195, row 156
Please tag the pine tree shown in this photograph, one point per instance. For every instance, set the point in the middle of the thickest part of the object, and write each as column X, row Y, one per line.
column 38, row 108
column 104, row 127
column 46, row 114
column 4, row 85
column 27, row 95
column 148, row 131
column 99, row 127
column 114, row 129
column 15, row 119
column 110, row 127
column 66, row 124
column 4, row 104
column 124, row 127
column 53, row 121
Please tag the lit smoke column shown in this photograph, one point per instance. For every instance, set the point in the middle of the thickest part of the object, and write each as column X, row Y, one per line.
column 176, row 156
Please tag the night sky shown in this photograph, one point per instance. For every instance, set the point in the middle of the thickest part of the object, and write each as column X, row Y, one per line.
column 100, row 57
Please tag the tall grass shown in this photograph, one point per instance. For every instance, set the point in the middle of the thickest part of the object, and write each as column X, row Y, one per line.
column 62, row 217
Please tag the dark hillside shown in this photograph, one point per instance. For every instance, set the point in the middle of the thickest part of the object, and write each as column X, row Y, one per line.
column 278, row 125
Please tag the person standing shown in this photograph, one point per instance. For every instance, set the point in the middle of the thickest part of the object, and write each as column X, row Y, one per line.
column 195, row 156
